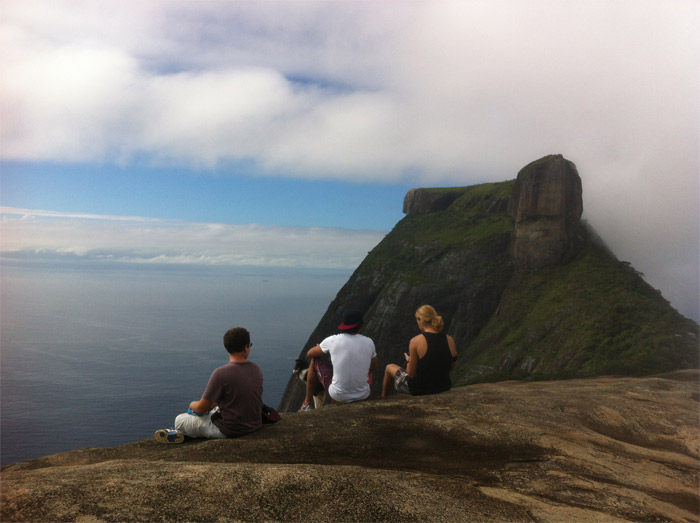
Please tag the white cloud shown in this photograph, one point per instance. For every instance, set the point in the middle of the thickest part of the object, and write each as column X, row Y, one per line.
column 437, row 88
column 453, row 92
column 38, row 234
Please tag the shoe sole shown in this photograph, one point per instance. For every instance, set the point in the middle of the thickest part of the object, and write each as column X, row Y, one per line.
column 165, row 436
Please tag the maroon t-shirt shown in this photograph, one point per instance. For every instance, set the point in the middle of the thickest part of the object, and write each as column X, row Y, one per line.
column 237, row 388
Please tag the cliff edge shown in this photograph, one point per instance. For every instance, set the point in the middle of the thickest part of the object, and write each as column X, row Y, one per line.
column 599, row 449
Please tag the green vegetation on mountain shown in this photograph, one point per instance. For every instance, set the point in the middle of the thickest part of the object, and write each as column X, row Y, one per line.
column 465, row 224
column 593, row 316
column 526, row 288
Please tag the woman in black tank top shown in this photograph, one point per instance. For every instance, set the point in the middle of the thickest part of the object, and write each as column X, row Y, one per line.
column 432, row 355
column 433, row 372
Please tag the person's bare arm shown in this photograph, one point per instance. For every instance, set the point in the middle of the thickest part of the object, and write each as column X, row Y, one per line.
column 453, row 349
column 315, row 352
column 412, row 366
column 202, row 406
column 374, row 362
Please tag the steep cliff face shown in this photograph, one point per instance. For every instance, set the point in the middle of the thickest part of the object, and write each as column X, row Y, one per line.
column 526, row 289
column 457, row 259
column 546, row 207
column 422, row 201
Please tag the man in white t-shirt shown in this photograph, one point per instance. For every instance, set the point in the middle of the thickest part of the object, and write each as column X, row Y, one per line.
column 342, row 363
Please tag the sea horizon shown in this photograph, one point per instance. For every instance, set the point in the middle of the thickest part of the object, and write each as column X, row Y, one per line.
column 105, row 354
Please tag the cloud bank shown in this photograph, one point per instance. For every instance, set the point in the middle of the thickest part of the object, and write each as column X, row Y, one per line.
column 315, row 89
column 31, row 235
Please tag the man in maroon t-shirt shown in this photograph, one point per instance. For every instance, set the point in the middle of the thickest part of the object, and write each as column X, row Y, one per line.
column 232, row 401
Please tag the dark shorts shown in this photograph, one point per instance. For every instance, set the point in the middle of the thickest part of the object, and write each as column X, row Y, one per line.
column 401, row 381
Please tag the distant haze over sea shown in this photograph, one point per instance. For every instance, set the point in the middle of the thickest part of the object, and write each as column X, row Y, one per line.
column 97, row 355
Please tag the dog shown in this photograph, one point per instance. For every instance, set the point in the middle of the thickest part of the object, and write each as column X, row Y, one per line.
column 301, row 369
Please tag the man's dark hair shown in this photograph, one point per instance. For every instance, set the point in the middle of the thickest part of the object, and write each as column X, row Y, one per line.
column 236, row 340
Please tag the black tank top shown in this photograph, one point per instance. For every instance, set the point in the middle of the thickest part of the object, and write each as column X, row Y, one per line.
column 433, row 374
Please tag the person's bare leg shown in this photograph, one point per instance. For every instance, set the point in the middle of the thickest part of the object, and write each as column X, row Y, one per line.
column 389, row 378
column 311, row 383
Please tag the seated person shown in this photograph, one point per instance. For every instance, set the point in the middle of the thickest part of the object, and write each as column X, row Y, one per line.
column 341, row 363
column 431, row 356
column 232, row 401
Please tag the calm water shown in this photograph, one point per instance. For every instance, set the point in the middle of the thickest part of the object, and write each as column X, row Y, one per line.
column 101, row 356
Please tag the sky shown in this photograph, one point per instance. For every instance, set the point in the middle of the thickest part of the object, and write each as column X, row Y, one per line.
column 286, row 134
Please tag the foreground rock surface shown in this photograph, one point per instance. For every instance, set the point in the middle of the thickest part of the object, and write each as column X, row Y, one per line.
column 602, row 449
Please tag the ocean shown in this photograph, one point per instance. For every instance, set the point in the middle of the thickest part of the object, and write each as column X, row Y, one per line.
column 102, row 355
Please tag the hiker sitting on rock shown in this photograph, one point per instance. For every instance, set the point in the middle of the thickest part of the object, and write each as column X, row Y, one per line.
column 431, row 356
column 232, row 401
column 340, row 364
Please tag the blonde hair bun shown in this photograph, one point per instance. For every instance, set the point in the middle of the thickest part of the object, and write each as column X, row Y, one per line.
column 429, row 316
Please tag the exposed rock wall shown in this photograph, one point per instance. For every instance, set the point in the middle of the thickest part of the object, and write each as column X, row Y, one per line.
column 546, row 206
column 424, row 201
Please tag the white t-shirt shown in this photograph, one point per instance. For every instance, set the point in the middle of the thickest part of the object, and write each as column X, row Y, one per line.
column 351, row 355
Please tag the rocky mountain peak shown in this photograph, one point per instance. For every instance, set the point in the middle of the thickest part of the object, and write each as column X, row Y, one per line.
column 546, row 206
column 527, row 289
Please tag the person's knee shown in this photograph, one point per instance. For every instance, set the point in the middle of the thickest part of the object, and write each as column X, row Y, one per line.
column 391, row 370
column 181, row 422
